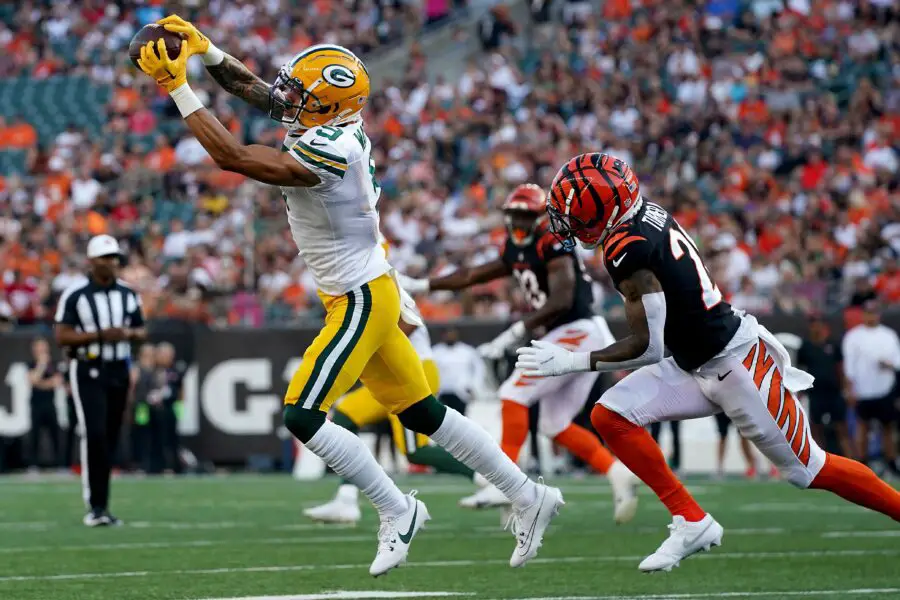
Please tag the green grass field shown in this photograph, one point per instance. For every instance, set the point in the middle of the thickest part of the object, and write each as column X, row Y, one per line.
column 244, row 536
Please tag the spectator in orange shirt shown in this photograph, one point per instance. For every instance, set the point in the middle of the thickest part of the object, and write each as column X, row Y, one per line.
column 754, row 108
column 162, row 157
column 887, row 284
column 18, row 134
column 59, row 179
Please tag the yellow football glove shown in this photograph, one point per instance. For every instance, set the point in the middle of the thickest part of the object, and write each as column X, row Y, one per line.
column 197, row 42
column 168, row 73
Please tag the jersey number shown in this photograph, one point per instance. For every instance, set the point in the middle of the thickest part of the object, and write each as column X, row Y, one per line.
column 375, row 186
column 528, row 281
column 329, row 133
column 680, row 244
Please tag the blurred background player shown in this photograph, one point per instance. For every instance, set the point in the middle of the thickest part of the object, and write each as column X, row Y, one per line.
column 45, row 379
column 871, row 353
column 463, row 369
column 559, row 294
column 360, row 409
column 326, row 175
column 820, row 355
column 721, row 359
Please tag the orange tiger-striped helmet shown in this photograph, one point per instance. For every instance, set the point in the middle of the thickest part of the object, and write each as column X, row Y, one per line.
column 525, row 210
column 589, row 197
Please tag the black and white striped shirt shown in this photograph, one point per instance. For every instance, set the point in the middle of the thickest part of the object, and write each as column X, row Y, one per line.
column 89, row 307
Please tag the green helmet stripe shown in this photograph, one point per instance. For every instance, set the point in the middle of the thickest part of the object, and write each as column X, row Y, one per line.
column 309, row 51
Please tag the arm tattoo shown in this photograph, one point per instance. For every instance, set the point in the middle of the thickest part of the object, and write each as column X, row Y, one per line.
column 238, row 80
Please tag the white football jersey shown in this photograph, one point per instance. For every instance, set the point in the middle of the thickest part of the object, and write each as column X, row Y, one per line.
column 335, row 223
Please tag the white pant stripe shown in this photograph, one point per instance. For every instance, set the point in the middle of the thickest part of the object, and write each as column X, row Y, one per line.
column 319, row 386
column 79, row 412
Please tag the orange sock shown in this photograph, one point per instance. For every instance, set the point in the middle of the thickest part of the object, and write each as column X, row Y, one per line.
column 857, row 483
column 635, row 447
column 515, row 428
column 585, row 445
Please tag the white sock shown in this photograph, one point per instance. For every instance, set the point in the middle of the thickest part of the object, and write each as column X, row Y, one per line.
column 348, row 493
column 349, row 457
column 470, row 444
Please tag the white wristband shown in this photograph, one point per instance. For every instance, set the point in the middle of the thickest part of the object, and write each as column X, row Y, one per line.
column 213, row 56
column 186, row 100
column 581, row 361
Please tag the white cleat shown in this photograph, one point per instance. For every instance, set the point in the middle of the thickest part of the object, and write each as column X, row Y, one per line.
column 487, row 497
column 529, row 524
column 395, row 535
column 625, row 499
column 685, row 539
column 343, row 509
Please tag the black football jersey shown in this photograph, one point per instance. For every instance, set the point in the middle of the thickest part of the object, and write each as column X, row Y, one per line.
column 529, row 266
column 699, row 323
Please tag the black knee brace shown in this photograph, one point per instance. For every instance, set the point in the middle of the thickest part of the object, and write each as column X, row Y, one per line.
column 424, row 417
column 303, row 422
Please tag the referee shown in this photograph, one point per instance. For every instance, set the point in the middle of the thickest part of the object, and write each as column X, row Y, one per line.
column 96, row 320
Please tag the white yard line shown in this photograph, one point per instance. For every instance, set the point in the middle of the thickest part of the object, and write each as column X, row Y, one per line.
column 800, row 507
column 274, row 541
column 434, row 532
column 437, row 564
column 782, row 594
column 862, row 534
column 348, row 595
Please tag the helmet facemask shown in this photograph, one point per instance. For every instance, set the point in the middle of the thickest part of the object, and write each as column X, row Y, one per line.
column 296, row 107
column 288, row 98
column 568, row 229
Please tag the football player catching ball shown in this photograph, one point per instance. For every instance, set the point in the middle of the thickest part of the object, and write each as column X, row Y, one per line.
column 327, row 177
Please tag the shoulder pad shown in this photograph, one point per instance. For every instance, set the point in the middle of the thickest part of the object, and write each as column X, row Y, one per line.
column 320, row 150
column 626, row 251
column 620, row 240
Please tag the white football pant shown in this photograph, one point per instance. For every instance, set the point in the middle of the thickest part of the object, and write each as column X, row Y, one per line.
column 563, row 397
column 752, row 381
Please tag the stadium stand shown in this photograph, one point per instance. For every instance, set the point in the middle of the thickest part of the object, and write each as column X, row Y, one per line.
column 770, row 128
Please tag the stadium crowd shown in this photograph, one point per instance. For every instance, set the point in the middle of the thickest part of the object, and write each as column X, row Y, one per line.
column 769, row 127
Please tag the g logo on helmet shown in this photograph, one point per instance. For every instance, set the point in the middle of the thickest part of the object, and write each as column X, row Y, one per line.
column 339, row 76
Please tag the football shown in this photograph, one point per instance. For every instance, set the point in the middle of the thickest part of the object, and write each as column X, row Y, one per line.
column 151, row 33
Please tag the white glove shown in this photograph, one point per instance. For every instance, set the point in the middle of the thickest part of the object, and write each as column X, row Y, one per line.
column 541, row 359
column 409, row 312
column 413, row 286
column 497, row 347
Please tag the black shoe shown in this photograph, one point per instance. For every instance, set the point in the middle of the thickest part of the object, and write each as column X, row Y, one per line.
column 111, row 520
column 95, row 518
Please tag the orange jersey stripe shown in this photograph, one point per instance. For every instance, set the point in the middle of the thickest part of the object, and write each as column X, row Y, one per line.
column 615, row 237
column 775, row 399
column 787, row 421
column 748, row 360
column 571, row 340
column 764, row 362
column 614, row 252
column 805, row 449
column 526, row 380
